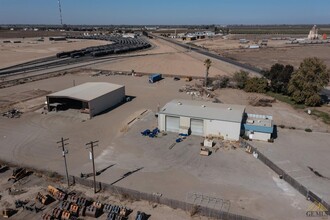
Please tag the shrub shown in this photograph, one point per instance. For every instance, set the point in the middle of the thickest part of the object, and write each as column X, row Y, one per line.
column 281, row 126
column 308, row 130
column 194, row 210
column 240, row 78
column 255, row 84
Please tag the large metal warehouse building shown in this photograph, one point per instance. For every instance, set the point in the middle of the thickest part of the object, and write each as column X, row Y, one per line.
column 202, row 118
column 91, row 97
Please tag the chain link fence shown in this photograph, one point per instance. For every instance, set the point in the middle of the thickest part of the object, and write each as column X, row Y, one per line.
column 155, row 198
column 289, row 179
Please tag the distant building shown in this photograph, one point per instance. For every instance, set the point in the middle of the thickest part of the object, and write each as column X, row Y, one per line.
column 190, row 37
column 254, row 47
column 209, row 33
column 243, row 41
column 129, row 35
column 60, row 38
column 313, row 34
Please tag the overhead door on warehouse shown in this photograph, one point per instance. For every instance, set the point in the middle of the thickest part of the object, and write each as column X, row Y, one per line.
column 197, row 127
column 172, row 124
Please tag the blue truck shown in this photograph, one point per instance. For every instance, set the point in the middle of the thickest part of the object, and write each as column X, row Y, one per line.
column 155, row 77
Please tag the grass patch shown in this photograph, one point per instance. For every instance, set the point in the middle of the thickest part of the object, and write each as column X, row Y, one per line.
column 323, row 115
column 286, row 99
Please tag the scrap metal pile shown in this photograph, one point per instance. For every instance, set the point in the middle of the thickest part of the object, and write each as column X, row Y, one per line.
column 12, row 113
column 74, row 206
column 191, row 90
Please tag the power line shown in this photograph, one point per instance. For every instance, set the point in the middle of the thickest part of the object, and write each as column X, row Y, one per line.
column 91, row 145
column 64, row 152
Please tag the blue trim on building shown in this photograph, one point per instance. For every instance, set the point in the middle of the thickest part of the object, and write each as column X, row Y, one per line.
column 263, row 129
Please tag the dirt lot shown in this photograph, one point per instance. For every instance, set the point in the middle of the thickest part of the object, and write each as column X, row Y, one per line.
column 27, row 189
column 31, row 49
column 170, row 59
column 276, row 51
column 230, row 173
column 4, row 34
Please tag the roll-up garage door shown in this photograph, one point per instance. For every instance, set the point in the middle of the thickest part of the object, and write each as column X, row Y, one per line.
column 172, row 124
column 197, row 127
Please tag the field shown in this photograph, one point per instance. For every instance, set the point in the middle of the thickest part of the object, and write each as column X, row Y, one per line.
column 170, row 59
column 276, row 29
column 30, row 49
column 277, row 51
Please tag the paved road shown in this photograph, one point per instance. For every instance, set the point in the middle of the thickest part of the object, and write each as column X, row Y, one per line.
column 212, row 55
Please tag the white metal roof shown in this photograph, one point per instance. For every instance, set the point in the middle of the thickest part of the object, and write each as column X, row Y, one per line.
column 204, row 110
column 87, row 91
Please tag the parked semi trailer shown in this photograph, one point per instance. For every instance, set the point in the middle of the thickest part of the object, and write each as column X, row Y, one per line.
column 155, row 77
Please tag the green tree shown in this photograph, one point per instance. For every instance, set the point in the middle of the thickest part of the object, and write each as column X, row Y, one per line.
column 308, row 81
column 207, row 64
column 256, row 84
column 279, row 75
column 240, row 78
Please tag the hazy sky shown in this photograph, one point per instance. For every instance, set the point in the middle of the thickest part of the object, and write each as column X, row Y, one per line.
column 166, row 12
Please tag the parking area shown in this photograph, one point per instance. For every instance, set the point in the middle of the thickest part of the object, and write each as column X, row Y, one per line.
column 304, row 156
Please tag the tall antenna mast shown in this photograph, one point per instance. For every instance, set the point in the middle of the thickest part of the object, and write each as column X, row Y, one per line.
column 59, row 7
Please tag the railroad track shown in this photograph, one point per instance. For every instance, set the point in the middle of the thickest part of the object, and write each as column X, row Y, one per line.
column 119, row 45
column 47, row 70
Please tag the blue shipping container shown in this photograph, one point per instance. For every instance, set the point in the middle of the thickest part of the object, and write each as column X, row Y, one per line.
column 155, row 77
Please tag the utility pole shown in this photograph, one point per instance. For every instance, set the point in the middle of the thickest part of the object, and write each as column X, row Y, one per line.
column 64, row 152
column 91, row 145
column 60, row 9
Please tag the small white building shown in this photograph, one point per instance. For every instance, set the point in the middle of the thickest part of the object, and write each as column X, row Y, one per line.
column 258, row 127
column 202, row 118
column 129, row 35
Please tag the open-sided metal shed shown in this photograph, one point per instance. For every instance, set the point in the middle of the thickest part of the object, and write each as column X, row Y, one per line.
column 91, row 97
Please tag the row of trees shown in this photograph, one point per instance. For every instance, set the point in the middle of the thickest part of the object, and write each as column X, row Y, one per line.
column 302, row 85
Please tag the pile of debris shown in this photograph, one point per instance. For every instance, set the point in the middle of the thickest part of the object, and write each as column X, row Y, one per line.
column 18, row 174
column 3, row 168
column 113, row 73
column 191, row 90
column 13, row 113
column 263, row 102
